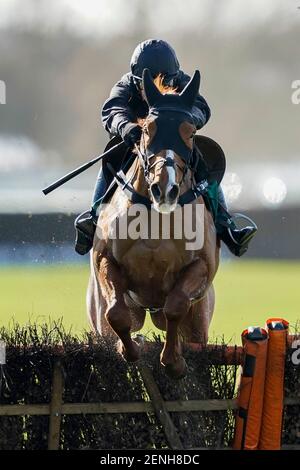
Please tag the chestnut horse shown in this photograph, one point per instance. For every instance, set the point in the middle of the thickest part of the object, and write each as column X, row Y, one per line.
column 132, row 274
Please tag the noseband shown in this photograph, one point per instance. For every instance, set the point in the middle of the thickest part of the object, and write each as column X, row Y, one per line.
column 167, row 161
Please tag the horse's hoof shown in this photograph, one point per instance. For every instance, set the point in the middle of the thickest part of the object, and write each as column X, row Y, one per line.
column 177, row 370
column 130, row 355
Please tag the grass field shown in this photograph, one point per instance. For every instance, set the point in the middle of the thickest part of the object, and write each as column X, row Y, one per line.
column 247, row 292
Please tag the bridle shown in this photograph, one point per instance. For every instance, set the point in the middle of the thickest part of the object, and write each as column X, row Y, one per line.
column 146, row 157
column 145, row 161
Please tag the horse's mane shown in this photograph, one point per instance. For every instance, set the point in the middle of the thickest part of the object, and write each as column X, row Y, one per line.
column 164, row 89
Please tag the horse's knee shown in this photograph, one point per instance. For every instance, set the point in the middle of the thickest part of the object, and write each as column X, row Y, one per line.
column 177, row 306
column 118, row 317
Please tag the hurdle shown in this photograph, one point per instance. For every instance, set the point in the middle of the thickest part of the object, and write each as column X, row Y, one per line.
column 259, row 417
column 62, row 392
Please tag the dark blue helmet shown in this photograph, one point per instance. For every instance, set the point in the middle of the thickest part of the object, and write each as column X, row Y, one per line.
column 157, row 56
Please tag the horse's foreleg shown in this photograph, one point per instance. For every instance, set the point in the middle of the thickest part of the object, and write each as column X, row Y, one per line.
column 117, row 313
column 176, row 307
column 194, row 328
column 193, row 281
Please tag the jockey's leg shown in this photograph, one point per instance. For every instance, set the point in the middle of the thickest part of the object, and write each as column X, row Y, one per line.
column 86, row 223
column 100, row 189
column 237, row 240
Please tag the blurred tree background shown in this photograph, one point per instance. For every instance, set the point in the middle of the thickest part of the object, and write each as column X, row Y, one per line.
column 59, row 66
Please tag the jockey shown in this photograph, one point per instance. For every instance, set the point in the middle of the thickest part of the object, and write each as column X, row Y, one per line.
column 119, row 117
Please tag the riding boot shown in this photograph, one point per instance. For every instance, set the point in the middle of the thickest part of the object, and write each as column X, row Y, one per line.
column 85, row 226
column 237, row 240
column 86, row 223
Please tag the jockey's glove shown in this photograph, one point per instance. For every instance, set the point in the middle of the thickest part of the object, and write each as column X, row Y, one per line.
column 131, row 133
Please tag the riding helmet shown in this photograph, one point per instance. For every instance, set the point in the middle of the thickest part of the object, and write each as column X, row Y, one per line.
column 157, row 56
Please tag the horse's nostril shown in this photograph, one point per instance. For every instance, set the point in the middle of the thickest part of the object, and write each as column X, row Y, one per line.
column 155, row 190
column 173, row 193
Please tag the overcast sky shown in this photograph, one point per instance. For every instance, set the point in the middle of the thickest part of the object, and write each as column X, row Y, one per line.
column 109, row 17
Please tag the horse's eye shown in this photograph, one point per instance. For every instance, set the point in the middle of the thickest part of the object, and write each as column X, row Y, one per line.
column 146, row 131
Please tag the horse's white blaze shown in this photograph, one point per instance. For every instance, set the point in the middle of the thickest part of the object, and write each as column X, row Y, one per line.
column 171, row 170
column 166, row 207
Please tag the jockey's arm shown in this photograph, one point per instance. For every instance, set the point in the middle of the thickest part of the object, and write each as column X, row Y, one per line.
column 116, row 112
column 201, row 111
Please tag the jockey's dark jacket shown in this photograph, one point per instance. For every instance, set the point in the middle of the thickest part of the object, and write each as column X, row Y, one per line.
column 125, row 104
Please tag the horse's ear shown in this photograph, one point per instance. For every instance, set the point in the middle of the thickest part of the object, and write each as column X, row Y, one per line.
column 190, row 91
column 151, row 91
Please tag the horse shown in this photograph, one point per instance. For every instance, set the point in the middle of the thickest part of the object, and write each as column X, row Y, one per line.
column 134, row 275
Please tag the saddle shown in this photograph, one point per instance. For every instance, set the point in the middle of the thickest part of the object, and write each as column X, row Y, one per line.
column 213, row 157
column 208, row 160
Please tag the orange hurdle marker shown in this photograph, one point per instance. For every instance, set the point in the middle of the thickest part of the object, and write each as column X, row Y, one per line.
column 251, row 391
column 271, row 426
